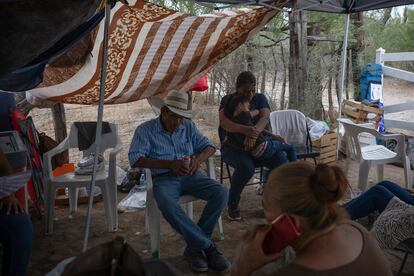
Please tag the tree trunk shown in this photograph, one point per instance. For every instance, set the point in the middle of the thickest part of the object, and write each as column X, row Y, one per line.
column 212, row 89
column 282, row 96
column 297, row 59
column 59, row 124
column 337, row 80
column 275, row 75
column 357, row 49
column 405, row 15
column 249, row 57
column 263, row 85
column 331, row 111
column 387, row 15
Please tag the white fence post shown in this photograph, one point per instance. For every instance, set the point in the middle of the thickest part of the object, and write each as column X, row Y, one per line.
column 378, row 56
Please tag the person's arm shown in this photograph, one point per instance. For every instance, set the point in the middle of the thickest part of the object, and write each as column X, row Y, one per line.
column 202, row 148
column 201, row 157
column 274, row 136
column 264, row 114
column 177, row 166
column 230, row 126
column 249, row 255
column 250, row 141
column 263, row 109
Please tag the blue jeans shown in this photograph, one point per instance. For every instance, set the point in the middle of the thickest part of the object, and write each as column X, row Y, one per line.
column 167, row 192
column 244, row 166
column 376, row 199
column 275, row 146
column 16, row 236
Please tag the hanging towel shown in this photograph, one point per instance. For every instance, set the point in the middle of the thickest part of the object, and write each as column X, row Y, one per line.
column 87, row 131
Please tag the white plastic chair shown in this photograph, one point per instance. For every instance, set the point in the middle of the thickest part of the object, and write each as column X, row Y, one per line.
column 105, row 179
column 376, row 155
column 153, row 214
column 292, row 126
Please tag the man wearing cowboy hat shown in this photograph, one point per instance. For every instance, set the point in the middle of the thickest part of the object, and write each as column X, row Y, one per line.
column 160, row 144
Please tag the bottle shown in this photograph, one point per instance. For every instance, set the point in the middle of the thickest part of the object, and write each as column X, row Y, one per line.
column 187, row 160
column 142, row 184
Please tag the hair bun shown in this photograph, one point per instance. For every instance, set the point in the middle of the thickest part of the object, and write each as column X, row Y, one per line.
column 328, row 183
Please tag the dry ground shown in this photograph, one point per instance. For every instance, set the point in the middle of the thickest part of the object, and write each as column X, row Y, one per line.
column 68, row 236
column 68, row 233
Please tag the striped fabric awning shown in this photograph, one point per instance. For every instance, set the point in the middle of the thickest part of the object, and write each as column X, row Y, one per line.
column 152, row 50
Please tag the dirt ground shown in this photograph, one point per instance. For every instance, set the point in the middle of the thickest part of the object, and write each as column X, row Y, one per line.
column 68, row 232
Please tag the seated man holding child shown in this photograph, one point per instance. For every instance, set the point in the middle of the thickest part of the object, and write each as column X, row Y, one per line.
column 160, row 144
column 241, row 160
column 267, row 144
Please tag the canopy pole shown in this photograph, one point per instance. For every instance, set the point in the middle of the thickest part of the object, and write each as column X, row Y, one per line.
column 342, row 80
column 98, row 134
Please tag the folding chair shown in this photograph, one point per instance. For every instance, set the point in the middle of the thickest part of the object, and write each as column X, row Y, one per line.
column 258, row 170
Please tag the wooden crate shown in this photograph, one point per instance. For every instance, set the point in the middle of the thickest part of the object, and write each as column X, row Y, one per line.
column 359, row 112
column 327, row 147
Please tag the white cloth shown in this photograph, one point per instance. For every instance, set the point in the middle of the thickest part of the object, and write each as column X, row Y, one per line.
column 290, row 124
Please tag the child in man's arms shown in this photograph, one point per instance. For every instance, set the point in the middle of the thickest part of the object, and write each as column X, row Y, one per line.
column 267, row 144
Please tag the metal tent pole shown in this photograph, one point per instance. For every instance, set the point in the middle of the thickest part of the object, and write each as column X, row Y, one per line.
column 342, row 75
column 98, row 134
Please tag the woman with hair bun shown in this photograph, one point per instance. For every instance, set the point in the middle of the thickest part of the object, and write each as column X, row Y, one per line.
column 329, row 242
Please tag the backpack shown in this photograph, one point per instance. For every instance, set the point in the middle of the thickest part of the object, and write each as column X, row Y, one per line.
column 370, row 74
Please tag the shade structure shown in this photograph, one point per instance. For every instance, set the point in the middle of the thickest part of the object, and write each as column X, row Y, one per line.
column 29, row 28
column 333, row 6
column 152, row 50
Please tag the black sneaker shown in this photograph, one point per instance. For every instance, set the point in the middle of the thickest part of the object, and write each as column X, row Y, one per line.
column 233, row 212
column 216, row 261
column 197, row 260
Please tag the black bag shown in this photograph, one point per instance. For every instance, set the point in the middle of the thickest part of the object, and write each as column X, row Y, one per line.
column 108, row 259
column 115, row 258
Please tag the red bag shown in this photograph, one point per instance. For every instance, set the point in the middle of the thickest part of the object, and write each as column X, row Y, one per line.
column 201, row 85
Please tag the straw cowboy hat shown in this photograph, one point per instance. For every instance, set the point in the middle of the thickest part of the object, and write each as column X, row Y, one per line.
column 179, row 104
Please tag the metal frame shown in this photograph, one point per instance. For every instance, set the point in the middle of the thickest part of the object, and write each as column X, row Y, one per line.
column 98, row 133
column 342, row 75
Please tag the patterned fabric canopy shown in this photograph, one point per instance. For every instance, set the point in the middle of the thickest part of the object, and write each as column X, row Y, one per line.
column 152, row 50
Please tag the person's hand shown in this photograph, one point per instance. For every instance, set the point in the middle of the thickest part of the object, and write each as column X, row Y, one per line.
column 249, row 143
column 249, row 255
column 179, row 167
column 194, row 166
column 11, row 204
column 278, row 138
column 254, row 113
column 252, row 132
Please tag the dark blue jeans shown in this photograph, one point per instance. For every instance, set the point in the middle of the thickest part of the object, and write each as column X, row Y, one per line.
column 16, row 236
column 275, row 146
column 244, row 166
column 167, row 192
column 376, row 199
